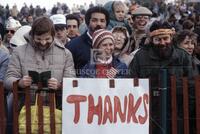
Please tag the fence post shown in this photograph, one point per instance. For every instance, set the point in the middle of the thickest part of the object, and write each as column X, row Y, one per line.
column 163, row 99
column 52, row 107
column 15, row 108
column 40, row 111
column 28, row 110
column 197, row 95
column 185, row 105
column 2, row 110
column 173, row 105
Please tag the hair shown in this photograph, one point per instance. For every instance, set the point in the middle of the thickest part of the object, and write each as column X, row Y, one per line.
column 188, row 24
column 160, row 25
column 96, row 9
column 41, row 26
column 118, row 4
column 72, row 17
column 181, row 35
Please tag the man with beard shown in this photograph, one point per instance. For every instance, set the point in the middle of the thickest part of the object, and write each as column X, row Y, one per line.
column 41, row 53
column 161, row 55
column 80, row 47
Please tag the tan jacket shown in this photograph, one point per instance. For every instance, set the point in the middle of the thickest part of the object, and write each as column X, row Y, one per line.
column 56, row 58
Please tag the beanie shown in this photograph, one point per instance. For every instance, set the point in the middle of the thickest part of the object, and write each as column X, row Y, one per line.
column 12, row 24
column 96, row 9
column 99, row 36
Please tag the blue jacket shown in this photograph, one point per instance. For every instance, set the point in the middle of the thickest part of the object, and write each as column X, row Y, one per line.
column 4, row 60
column 89, row 70
column 80, row 48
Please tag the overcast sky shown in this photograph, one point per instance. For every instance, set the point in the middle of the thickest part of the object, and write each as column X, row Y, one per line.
column 44, row 3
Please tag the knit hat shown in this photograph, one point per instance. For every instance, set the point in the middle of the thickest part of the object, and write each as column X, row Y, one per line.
column 142, row 11
column 58, row 19
column 12, row 24
column 99, row 36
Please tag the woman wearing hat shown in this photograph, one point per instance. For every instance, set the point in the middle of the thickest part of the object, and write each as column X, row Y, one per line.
column 103, row 64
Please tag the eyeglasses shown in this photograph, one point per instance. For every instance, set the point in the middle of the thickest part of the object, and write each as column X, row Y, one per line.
column 10, row 31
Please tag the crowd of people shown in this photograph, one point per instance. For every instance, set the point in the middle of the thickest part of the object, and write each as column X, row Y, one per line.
column 115, row 40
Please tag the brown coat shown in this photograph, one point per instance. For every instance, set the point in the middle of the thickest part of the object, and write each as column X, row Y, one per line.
column 56, row 58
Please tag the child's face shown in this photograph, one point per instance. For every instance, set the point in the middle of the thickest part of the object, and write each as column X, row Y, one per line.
column 119, row 12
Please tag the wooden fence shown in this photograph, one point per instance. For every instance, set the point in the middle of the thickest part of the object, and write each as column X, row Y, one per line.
column 15, row 124
column 174, row 125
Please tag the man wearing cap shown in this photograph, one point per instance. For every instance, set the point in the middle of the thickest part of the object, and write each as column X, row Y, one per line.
column 11, row 27
column 141, row 17
column 80, row 47
column 161, row 55
column 59, row 22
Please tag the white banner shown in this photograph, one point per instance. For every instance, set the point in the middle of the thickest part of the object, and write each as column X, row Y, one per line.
column 91, row 106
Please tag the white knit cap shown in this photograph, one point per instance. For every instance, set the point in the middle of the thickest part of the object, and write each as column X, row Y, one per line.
column 12, row 24
column 58, row 19
column 100, row 35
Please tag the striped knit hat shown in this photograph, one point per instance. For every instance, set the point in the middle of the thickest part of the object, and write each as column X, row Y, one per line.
column 99, row 36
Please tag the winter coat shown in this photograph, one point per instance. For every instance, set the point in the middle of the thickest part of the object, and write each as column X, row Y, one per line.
column 89, row 70
column 80, row 48
column 27, row 57
column 4, row 60
column 146, row 64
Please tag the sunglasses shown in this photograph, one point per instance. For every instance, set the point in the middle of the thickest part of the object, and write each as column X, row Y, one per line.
column 11, row 31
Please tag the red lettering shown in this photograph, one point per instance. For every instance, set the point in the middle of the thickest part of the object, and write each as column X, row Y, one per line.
column 76, row 99
column 92, row 109
column 142, row 120
column 117, row 109
column 108, row 114
column 133, row 109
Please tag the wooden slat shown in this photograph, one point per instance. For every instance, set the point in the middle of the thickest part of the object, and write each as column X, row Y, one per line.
column 185, row 106
column 40, row 111
column 28, row 110
column 2, row 110
column 40, row 114
column 173, row 103
column 15, row 108
column 52, row 112
column 135, row 82
column 197, row 95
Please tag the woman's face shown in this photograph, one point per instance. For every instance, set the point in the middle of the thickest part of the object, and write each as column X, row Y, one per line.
column 107, row 48
column 119, row 40
column 188, row 44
